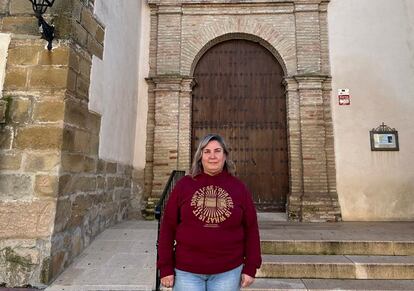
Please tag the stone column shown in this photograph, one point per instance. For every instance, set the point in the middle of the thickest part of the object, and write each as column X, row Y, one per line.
column 184, row 135
column 313, row 188
column 308, row 36
column 149, row 156
column 167, row 95
column 166, row 130
column 318, row 200
column 168, row 39
column 324, row 36
column 295, row 149
column 330, row 148
column 312, row 133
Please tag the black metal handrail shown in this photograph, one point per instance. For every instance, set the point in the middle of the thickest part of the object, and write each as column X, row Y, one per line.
column 159, row 210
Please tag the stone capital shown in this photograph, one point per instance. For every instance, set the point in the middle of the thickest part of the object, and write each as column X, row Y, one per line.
column 290, row 84
column 311, row 5
column 311, row 81
column 187, row 84
column 170, row 9
column 175, row 83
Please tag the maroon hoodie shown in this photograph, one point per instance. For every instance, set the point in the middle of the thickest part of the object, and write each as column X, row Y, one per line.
column 214, row 223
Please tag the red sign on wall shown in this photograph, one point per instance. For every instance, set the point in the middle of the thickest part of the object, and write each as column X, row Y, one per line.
column 343, row 97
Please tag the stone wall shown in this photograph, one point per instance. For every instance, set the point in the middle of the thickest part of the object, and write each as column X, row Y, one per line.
column 295, row 32
column 56, row 194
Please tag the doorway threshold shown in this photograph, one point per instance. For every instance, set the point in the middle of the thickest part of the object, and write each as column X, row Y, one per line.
column 271, row 216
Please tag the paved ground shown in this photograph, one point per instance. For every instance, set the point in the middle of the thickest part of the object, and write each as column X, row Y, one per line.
column 123, row 256
column 120, row 258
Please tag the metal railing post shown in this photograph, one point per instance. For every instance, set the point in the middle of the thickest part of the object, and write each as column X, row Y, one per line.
column 159, row 210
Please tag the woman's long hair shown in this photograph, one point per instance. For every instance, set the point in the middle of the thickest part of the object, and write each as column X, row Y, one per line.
column 197, row 166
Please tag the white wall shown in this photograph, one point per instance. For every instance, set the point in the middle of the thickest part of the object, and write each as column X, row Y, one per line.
column 4, row 44
column 114, row 88
column 143, row 71
column 372, row 54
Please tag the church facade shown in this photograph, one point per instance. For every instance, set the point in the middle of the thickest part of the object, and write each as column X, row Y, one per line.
column 311, row 96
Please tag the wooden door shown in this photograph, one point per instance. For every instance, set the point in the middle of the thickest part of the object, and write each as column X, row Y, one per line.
column 239, row 95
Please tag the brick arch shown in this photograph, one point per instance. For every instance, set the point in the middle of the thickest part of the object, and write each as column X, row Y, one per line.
column 244, row 36
column 199, row 41
column 296, row 35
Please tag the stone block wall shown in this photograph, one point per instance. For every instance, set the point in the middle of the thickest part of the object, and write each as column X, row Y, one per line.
column 30, row 146
column 56, row 194
column 74, row 20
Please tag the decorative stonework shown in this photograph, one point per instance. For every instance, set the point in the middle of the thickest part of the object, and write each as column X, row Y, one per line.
column 245, row 36
column 295, row 32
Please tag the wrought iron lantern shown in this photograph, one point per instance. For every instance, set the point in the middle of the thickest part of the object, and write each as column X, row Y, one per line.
column 48, row 31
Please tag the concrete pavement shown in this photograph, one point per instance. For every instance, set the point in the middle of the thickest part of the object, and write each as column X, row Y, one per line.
column 120, row 258
column 123, row 256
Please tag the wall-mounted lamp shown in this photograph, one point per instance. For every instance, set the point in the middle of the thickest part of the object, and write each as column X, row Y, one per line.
column 48, row 31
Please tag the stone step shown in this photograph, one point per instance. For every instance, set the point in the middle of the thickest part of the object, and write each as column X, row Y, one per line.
column 328, row 284
column 337, row 267
column 261, row 284
column 148, row 212
column 337, row 247
column 321, row 202
column 263, row 217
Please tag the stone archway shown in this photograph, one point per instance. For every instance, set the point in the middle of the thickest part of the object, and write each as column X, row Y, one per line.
column 239, row 94
column 180, row 34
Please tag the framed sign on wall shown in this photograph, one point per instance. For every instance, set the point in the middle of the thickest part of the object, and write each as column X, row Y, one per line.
column 384, row 138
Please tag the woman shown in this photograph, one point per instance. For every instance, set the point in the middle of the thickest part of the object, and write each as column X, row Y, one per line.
column 212, row 220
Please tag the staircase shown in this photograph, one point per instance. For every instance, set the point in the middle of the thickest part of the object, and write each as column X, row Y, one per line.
column 336, row 256
column 148, row 213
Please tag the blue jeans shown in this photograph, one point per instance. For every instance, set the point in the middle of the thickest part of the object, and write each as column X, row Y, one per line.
column 226, row 281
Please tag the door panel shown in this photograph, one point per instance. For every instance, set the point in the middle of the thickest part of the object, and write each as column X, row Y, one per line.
column 239, row 95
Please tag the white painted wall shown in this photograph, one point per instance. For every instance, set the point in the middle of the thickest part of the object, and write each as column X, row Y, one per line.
column 143, row 72
column 114, row 85
column 4, row 44
column 372, row 54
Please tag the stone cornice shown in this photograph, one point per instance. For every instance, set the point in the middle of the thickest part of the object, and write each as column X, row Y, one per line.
column 307, row 81
column 260, row 6
column 226, row 2
column 311, row 77
column 171, row 82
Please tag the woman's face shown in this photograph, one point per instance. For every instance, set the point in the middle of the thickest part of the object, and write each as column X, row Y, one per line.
column 213, row 158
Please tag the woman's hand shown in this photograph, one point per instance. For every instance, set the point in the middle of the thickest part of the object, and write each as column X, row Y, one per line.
column 246, row 280
column 167, row 281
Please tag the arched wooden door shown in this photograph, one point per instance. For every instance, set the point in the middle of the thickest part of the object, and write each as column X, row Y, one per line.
column 239, row 94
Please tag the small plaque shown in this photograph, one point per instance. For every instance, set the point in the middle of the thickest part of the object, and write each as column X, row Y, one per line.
column 344, row 100
column 343, row 97
column 384, row 138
